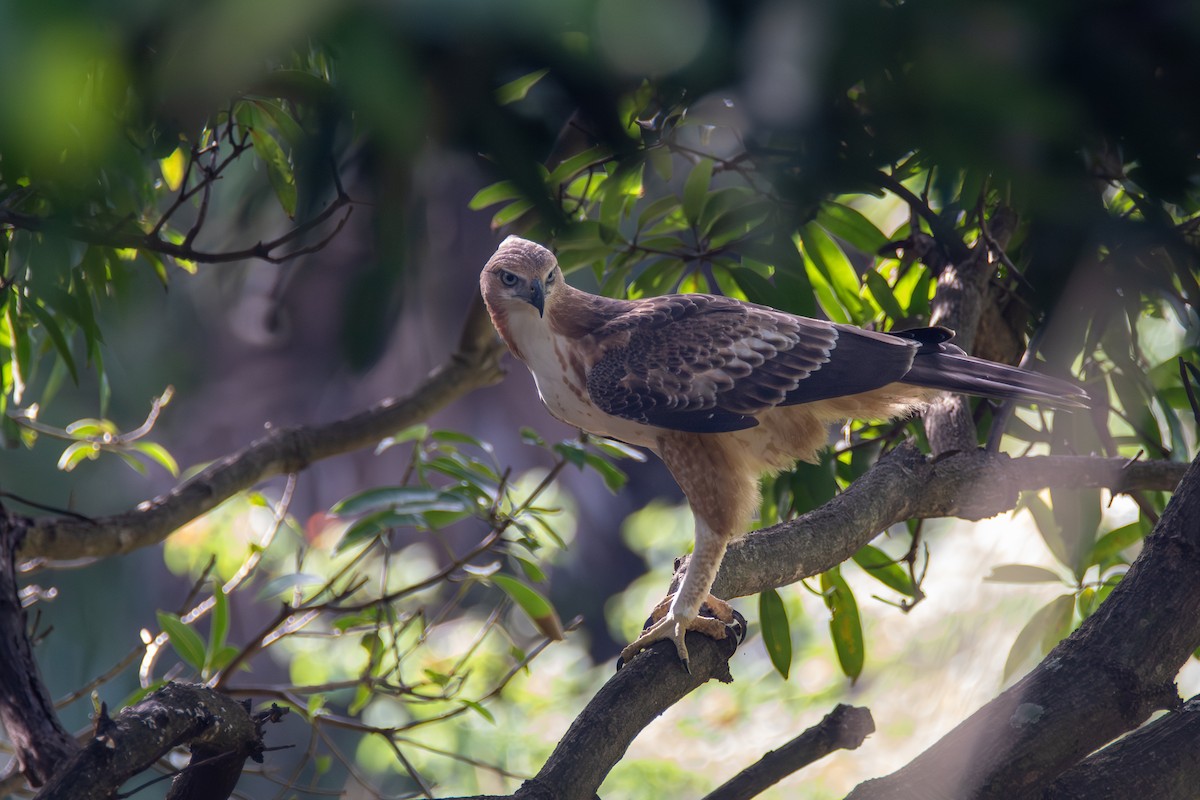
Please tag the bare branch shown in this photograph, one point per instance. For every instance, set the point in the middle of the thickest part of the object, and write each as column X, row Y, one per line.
column 844, row 728
column 907, row 485
column 282, row 451
column 219, row 731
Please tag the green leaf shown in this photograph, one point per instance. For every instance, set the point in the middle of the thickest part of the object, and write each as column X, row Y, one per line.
column 883, row 568
column 1045, row 628
column 1051, row 533
column 572, row 452
column 75, row 453
column 591, row 158
column 220, row 619
column 159, row 455
column 415, row 500
column 21, row 352
column 131, row 462
column 777, row 633
column 516, row 90
column 695, row 190
column 187, row 642
column 613, row 477
column 532, row 603
column 845, row 627
column 849, row 225
column 478, row 709
column 373, row 525
column 879, row 289
column 1110, row 545
column 56, row 338
column 1022, row 573
column 615, row 449
column 91, row 427
column 511, row 213
column 833, row 265
column 532, row 571
column 279, row 168
column 1077, row 512
column 496, row 193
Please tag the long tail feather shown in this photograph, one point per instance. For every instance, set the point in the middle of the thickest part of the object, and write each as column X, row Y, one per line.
column 958, row 372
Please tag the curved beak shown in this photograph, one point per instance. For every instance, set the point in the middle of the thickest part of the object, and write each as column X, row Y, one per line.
column 537, row 297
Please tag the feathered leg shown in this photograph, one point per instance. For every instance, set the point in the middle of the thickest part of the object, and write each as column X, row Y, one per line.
column 722, row 496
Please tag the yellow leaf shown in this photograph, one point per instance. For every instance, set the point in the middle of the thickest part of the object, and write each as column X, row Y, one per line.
column 172, row 169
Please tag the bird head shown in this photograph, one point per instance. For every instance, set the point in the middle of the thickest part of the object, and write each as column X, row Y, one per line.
column 520, row 271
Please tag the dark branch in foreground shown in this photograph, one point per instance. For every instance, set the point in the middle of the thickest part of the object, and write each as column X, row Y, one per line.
column 1103, row 680
column 286, row 450
column 844, row 728
column 1160, row 760
column 220, row 732
column 39, row 741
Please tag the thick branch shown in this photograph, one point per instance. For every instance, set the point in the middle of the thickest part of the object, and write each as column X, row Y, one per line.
column 844, row 728
column 220, row 732
column 1160, row 760
column 1103, row 680
column 27, row 712
column 285, row 450
column 648, row 685
column 958, row 304
column 907, row 485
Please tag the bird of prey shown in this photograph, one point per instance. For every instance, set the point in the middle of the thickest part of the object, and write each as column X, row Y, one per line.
column 722, row 391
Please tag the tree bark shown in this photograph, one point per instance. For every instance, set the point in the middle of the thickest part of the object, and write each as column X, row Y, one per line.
column 220, row 732
column 39, row 740
column 1103, row 680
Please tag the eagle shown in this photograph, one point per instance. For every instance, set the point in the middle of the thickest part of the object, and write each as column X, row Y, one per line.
column 722, row 391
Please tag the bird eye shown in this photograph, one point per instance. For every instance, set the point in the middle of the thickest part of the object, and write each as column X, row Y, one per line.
column 507, row 278
column 550, row 278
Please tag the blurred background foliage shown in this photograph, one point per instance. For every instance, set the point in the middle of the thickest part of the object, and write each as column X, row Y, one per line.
column 305, row 180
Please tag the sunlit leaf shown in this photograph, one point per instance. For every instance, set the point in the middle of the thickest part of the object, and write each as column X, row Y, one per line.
column 159, row 455
column 172, row 169
column 495, row 193
column 75, row 453
column 849, row 225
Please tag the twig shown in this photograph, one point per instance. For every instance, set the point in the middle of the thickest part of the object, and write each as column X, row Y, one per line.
column 844, row 728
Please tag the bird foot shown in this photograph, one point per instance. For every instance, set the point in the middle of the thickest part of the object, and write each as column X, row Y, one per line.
column 716, row 620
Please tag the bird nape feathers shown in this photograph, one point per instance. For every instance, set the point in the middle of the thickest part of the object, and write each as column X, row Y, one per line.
column 722, row 391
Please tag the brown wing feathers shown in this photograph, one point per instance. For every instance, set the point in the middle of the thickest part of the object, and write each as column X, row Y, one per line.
column 709, row 364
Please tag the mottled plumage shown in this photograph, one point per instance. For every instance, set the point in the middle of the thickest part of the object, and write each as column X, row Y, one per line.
column 721, row 390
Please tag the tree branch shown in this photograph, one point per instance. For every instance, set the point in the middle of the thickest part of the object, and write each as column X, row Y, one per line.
column 1103, row 680
column 905, row 485
column 220, row 732
column 39, row 740
column 1159, row 760
column 844, row 728
column 282, row 451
